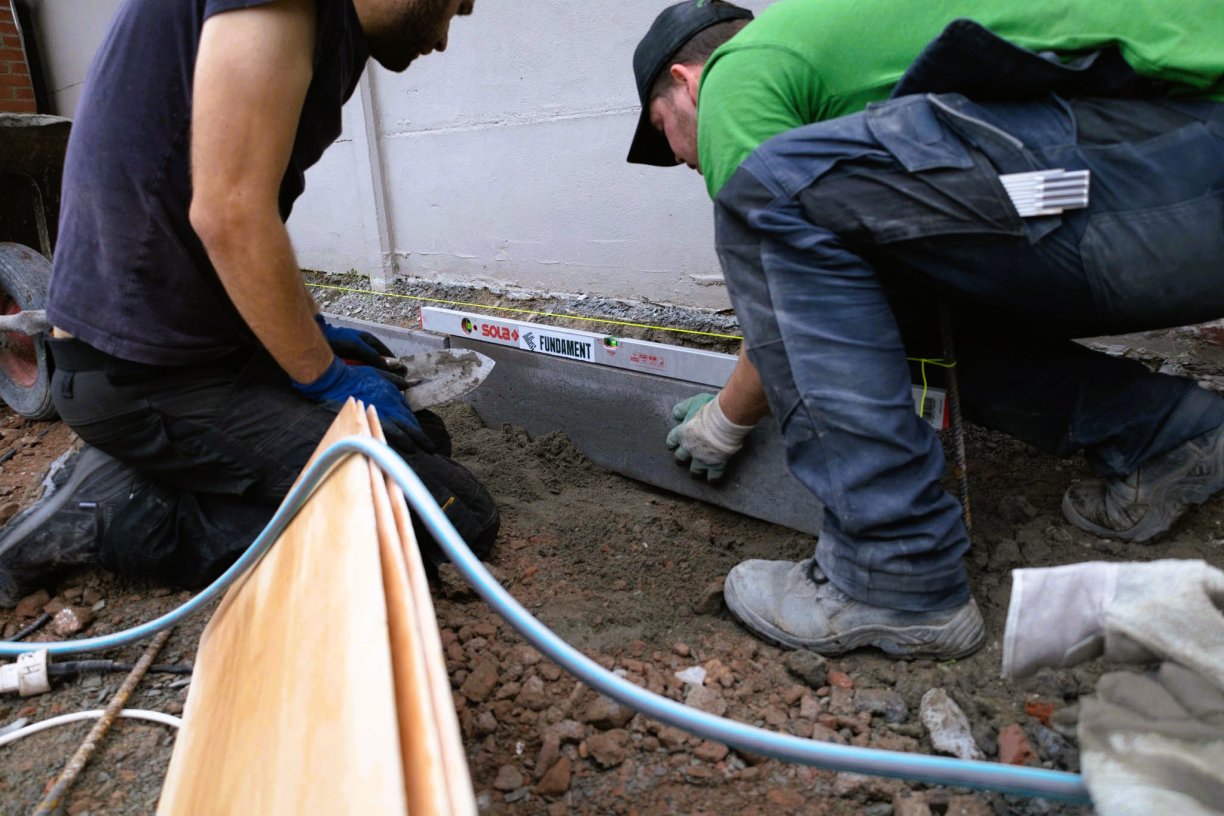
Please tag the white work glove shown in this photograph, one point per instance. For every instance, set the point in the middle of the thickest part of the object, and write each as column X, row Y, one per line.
column 705, row 439
column 1136, row 612
column 1056, row 617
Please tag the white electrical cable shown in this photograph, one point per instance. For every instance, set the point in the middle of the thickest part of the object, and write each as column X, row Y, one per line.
column 64, row 719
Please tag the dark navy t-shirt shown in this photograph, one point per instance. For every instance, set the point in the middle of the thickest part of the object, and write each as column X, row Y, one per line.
column 130, row 276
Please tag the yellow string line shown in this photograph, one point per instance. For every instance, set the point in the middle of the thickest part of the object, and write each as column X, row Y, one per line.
column 922, row 361
column 525, row 311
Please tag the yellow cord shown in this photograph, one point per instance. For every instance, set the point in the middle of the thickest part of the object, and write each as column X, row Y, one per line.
column 525, row 311
column 922, row 361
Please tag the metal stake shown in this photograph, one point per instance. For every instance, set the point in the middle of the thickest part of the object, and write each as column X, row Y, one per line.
column 958, row 426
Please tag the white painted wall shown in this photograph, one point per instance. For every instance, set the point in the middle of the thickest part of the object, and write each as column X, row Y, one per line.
column 68, row 32
column 501, row 161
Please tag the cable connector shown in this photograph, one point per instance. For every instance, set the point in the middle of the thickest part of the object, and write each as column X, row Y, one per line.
column 28, row 676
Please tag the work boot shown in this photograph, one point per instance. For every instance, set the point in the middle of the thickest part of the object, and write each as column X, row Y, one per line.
column 796, row 606
column 64, row 527
column 1148, row 502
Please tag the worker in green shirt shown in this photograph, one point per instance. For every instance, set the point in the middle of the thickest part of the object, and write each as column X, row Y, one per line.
column 1050, row 170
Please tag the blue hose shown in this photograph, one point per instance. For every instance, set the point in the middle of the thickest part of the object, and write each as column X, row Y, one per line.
column 934, row 770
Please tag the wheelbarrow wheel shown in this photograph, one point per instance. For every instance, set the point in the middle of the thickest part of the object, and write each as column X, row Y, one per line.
column 25, row 377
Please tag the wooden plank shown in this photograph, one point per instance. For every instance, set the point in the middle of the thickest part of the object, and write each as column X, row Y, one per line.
column 418, row 728
column 436, row 764
column 292, row 702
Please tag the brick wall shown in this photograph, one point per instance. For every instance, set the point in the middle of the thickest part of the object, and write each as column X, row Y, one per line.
column 16, row 89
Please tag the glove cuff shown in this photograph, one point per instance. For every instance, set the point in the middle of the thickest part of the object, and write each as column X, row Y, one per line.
column 722, row 430
column 709, row 436
column 325, row 381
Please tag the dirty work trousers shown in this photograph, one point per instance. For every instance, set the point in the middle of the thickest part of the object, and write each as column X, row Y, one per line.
column 217, row 446
column 837, row 239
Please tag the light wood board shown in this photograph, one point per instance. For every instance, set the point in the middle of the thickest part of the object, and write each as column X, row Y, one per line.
column 292, row 707
column 435, row 765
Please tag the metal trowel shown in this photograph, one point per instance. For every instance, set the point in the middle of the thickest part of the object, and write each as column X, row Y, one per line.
column 442, row 375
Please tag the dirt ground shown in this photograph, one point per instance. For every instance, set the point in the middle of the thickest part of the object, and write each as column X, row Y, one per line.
column 631, row 576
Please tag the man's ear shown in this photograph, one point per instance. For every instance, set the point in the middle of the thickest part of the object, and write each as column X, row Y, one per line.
column 690, row 77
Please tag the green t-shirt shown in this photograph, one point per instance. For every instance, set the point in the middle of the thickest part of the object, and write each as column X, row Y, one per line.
column 804, row 61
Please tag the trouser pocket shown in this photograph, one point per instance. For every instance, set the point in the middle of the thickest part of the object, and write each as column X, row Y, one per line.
column 879, row 206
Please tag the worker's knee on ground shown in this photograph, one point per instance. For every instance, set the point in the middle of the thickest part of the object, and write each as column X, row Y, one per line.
column 435, row 429
column 479, row 539
column 465, row 502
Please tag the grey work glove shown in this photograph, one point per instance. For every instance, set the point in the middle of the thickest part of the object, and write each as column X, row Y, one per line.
column 1130, row 612
column 705, row 439
column 1056, row 616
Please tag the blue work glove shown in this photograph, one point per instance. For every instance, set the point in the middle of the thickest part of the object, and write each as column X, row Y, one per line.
column 705, row 439
column 341, row 381
column 354, row 345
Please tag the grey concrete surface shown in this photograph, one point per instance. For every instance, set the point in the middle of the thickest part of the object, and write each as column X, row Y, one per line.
column 619, row 420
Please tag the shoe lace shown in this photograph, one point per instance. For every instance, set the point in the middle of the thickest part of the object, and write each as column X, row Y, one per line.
column 815, row 574
column 827, row 590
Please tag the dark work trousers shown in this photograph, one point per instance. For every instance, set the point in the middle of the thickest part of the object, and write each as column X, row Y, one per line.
column 837, row 240
column 217, row 446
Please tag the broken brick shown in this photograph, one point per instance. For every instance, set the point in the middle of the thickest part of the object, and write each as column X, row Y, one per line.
column 1014, row 747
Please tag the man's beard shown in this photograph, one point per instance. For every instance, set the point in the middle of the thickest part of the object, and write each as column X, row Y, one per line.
column 418, row 31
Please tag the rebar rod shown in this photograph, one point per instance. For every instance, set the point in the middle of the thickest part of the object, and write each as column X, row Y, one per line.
column 51, row 802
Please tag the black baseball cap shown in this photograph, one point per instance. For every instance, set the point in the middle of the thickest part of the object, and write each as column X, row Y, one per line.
column 674, row 26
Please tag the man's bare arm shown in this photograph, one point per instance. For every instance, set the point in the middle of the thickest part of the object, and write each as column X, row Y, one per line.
column 742, row 399
column 252, row 72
